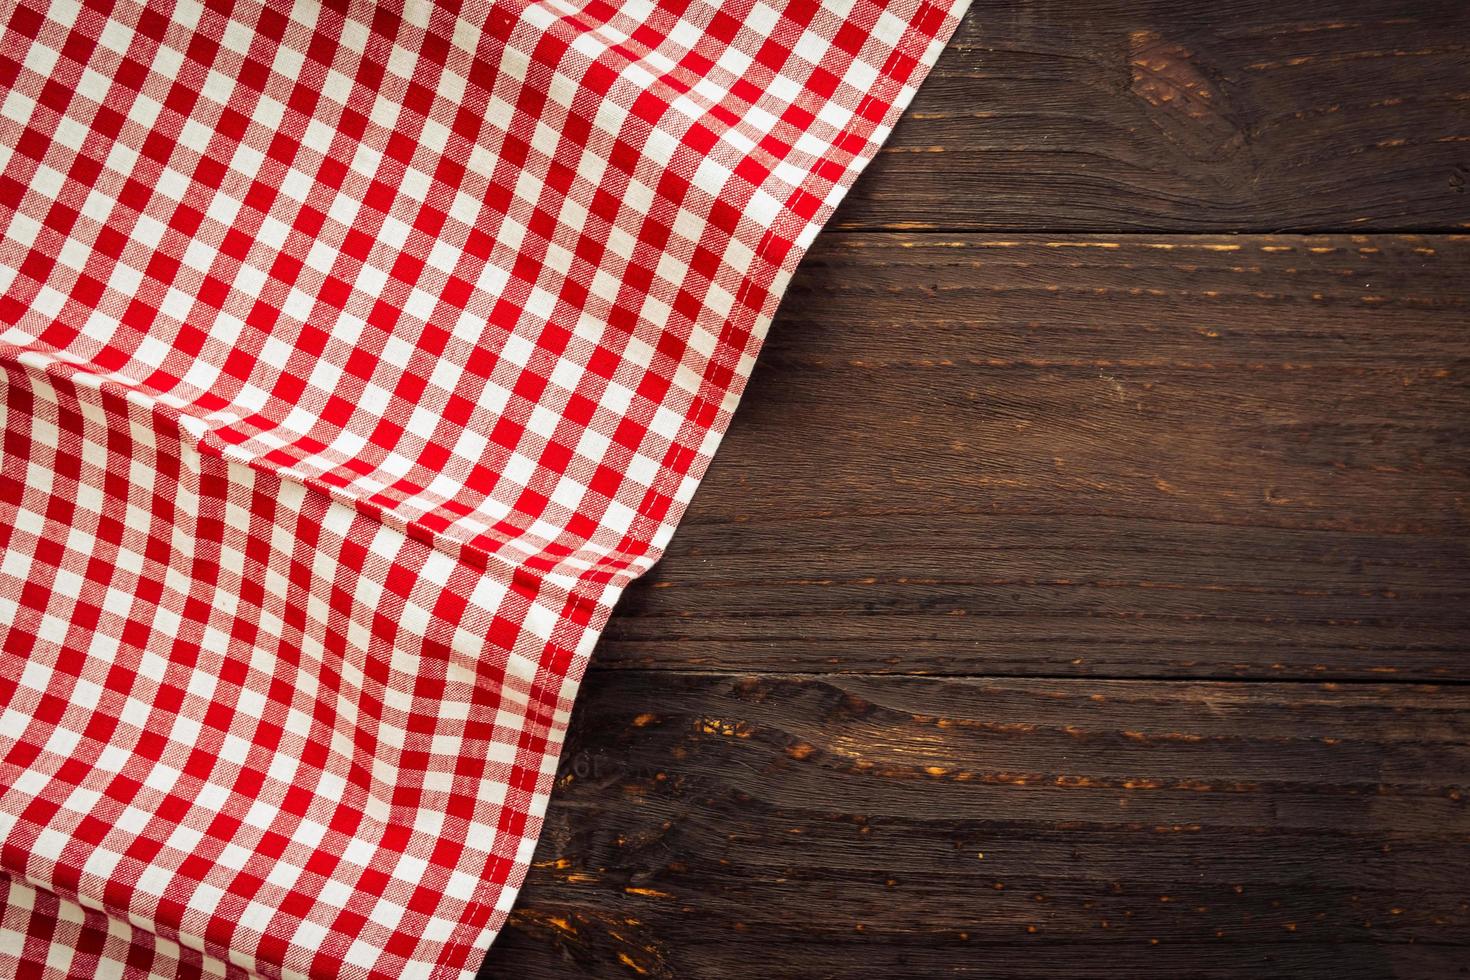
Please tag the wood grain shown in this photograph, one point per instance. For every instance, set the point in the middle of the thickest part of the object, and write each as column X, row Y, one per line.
column 1250, row 115
column 1137, row 456
column 1180, row 523
column 715, row 826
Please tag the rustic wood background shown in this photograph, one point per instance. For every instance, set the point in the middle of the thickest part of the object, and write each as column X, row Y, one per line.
column 1083, row 589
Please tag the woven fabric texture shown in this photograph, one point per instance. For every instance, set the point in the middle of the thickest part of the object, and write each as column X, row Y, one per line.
column 355, row 358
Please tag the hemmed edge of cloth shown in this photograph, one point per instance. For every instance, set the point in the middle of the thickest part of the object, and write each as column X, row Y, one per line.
column 901, row 93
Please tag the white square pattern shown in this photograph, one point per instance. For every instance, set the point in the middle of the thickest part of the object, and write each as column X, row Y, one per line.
column 353, row 359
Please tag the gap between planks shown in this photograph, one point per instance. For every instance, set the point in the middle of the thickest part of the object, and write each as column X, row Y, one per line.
column 1303, row 680
column 1441, row 231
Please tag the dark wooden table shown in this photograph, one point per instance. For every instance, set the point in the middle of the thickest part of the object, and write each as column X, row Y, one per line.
column 1083, row 589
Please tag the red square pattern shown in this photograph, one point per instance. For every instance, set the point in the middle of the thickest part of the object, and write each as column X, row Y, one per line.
column 355, row 358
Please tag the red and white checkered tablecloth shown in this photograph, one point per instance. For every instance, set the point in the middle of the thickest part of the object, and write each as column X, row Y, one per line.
column 355, row 358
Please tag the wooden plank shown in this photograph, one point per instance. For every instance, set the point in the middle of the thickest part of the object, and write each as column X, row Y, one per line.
column 1111, row 115
column 1136, row 456
column 846, row 826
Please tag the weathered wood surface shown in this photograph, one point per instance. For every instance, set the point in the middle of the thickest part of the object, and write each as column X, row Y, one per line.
column 844, row 826
column 1259, row 115
column 1180, row 521
column 1140, row 456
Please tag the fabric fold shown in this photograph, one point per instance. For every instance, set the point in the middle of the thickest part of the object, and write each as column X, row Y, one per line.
column 355, row 358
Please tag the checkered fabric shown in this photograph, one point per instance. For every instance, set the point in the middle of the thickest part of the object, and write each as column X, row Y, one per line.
column 355, row 358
